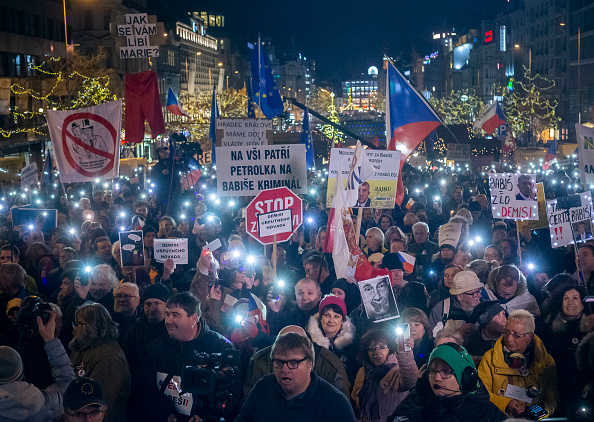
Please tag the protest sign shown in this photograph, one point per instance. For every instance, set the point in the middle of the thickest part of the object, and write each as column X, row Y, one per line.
column 139, row 36
column 244, row 171
column 183, row 402
column 381, row 187
column 458, row 152
column 449, row 234
column 27, row 218
column 378, row 299
column 243, row 132
column 543, row 221
column 513, row 196
column 176, row 249
column 29, row 175
column 273, row 212
column 87, row 141
column 562, row 222
column 132, row 248
column 585, row 141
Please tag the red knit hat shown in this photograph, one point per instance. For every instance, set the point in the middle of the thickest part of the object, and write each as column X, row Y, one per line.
column 333, row 300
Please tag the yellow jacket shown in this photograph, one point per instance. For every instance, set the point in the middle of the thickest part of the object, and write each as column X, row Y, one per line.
column 496, row 375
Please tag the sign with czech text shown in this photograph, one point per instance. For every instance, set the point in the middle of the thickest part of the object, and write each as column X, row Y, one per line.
column 513, row 196
column 273, row 211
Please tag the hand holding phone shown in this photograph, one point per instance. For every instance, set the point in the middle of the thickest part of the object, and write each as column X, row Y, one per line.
column 402, row 337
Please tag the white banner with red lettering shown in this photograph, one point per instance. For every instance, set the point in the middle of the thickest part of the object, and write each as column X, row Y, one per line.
column 87, row 141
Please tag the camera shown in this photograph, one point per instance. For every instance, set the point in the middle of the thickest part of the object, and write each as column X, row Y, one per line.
column 31, row 308
column 211, row 380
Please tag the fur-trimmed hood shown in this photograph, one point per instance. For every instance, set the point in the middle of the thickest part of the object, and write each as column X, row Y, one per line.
column 345, row 336
column 559, row 324
column 522, row 284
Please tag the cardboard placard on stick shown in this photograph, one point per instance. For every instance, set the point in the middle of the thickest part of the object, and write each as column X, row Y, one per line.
column 513, row 196
column 132, row 248
column 577, row 219
column 378, row 299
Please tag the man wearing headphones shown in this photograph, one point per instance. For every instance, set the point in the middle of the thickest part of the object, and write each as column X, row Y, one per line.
column 450, row 390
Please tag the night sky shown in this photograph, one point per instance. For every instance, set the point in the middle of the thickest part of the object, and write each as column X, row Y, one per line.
column 346, row 37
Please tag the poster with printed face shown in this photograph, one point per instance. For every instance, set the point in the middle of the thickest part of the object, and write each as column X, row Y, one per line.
column 132, row 248
column 513, row 196
column 578, row 220
column 378, row 299
column 377, row 191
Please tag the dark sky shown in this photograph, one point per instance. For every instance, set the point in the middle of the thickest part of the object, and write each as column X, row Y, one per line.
column 346, row 37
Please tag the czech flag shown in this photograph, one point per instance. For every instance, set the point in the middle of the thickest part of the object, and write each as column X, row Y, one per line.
column 409, row 119
column 258, row 309
column 551, row 155
column 408, row 261
column 172, row 104
column 492, row 119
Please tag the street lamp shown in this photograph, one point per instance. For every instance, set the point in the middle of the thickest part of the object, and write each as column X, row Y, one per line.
column 529, row 58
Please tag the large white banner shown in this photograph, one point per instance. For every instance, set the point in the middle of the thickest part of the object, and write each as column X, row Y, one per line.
column 87, row 141
column 245, row 171
column 513, row 196
column 578, row 220
column 379, row 190
column 585, row 141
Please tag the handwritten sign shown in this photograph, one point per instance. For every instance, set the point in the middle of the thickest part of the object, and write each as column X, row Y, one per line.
column 562, row 222
column 513, row 196
column 449, row 234
column 29, row 175
column 176, row 249
column 132, row 248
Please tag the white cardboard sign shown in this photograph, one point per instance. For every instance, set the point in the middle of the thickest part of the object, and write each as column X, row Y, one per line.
column 176, row 249
column 513, row 196
column 275, row 222
column 579, row 220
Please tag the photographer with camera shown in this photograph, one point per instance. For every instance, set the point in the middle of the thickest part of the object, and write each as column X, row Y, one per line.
column 12, row 283
column 21, row 401
column 158, row 379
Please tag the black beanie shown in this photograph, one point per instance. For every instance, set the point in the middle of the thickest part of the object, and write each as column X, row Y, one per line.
column 156, row 291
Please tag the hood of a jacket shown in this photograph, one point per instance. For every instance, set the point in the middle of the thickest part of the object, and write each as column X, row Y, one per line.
column 522, row 286
column 343, row 339
column 19, row 401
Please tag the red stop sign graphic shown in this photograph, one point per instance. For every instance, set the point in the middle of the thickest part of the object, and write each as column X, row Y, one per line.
column 270, row 201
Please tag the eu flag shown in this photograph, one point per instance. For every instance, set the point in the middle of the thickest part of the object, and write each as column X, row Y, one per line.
column 212, row 135
column 264, row 90
column 307, row 141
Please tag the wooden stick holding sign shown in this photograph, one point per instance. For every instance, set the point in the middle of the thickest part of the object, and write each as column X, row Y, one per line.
column 274, row 256
column 358, row 228
column 519, row 246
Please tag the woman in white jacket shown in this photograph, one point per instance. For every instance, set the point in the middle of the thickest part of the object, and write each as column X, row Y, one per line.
column 332, row 328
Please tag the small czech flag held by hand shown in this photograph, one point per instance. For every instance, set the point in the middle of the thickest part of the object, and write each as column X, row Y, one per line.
column 408, row 261
column 173, row 106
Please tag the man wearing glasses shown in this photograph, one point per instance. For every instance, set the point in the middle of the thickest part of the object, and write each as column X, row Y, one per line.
column 83, row 401
column 125, row 305
column 294, row 391
column 455, row 312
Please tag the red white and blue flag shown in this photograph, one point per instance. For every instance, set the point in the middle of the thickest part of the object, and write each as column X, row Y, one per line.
column 258, row 309
column 173, row 106
column 409, row 119
column 551, row 155
column 408, row 261
column 491, row 119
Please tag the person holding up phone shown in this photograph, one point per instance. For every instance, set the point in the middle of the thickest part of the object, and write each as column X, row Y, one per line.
column 389, row 371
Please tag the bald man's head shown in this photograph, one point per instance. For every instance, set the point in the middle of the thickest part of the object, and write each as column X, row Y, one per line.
column 292, row 329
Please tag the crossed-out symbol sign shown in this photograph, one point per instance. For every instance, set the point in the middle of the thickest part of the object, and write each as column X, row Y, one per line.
column 109, row 156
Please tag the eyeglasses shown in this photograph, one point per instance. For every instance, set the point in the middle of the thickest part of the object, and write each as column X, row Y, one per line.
column 121, row 296
column 517, row 336
column 291, row 364
column 378, row 347
column 477, row 293
column 444, row 373
column 94, row 415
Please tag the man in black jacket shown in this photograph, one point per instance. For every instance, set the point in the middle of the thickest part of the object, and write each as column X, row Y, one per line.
column 294, row 392
column 159, row 373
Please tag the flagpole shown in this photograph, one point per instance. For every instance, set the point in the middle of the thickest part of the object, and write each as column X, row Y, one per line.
column 358, row 229
column 259, row 71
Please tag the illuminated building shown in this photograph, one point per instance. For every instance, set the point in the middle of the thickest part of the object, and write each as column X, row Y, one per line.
column 361, row 93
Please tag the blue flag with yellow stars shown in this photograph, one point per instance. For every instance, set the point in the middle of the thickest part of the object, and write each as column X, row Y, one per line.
column 214, row 113
column 264, row 90
column 307, row 141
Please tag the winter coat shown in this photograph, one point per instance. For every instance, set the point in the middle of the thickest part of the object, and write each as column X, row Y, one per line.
column 344, row 345
column 421, row 405
column 561, row 339
column 456, row 316
column 522, row 300
column 106, row 364
column 542, row 373
column 393, row 387
column 321, row 402
column 138, row 336
column 166, row 356
column 327, row 366
column 21, row 401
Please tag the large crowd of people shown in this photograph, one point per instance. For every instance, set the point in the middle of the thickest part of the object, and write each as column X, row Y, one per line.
column 500, row 324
